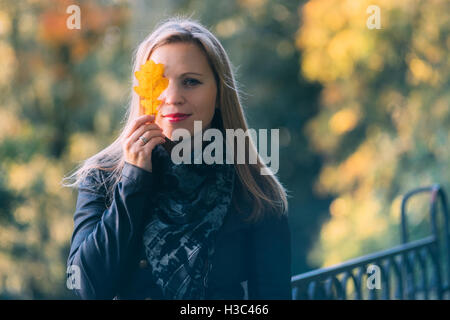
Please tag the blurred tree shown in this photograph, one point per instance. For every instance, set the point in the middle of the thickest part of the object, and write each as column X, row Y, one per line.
column 63, row 93
column 384, row 115
column 58, row 89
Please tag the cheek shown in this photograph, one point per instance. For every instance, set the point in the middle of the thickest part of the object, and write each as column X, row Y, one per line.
column 206, row 104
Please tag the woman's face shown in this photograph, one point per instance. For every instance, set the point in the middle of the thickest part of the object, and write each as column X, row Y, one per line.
column 191, row 93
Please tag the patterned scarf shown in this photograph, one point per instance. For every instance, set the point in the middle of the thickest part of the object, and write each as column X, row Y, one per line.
column 190, row 204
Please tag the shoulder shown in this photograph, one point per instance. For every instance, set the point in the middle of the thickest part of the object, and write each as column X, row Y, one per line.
column 271, row 226
column 271, row 222
column 96, row 185
column 95, row 180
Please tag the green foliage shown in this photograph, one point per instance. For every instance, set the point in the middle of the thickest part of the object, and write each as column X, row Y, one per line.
column 384, row 118
column 59, row 88
column 363, row 115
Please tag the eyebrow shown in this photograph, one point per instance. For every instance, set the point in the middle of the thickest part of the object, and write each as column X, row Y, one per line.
column 190, row 73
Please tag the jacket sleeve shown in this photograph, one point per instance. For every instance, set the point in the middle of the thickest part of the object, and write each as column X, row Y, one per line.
column 105, row 239
column 270, row 259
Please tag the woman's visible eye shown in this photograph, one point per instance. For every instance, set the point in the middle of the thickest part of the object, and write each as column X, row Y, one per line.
column 191, row 82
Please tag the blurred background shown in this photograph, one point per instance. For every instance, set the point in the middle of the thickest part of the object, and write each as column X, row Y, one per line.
column 363, row 115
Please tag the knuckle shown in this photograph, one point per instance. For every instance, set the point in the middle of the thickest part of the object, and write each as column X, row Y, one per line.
column 151, row 126
column 137, row 122
column 138, row 119
column 153, row 143
column 128, row 143
column 151, row 134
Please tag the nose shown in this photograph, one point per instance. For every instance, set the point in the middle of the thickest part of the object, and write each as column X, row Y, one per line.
column 172, row 94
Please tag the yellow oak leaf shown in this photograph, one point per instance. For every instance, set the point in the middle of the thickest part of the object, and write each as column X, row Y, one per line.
column 151, row 84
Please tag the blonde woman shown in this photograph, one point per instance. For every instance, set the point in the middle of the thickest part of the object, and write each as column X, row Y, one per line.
column 148, row 228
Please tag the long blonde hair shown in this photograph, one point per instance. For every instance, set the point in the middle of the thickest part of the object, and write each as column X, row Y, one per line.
column 264, row 193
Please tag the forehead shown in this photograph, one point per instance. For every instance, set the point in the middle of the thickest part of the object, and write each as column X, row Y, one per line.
column 180, row 58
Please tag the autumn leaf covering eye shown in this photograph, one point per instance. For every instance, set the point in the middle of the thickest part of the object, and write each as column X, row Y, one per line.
column 151, row 84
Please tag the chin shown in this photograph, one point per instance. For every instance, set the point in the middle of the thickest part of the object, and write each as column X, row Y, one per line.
column 169, row 131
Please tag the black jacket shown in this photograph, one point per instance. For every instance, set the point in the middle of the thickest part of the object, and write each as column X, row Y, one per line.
column 251, row 261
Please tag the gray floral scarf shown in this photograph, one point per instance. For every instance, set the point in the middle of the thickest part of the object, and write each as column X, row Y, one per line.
column 190, row 204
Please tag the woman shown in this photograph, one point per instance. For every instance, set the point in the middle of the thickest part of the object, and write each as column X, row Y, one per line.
column 145, row 227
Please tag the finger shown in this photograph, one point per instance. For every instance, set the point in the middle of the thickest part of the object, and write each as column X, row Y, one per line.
column 148, row 135
column 152, row 134
column 141, row 130
column 138, row 122
column 153, row 142
column 134, row 138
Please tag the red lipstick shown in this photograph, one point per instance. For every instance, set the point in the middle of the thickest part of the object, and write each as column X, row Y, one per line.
column 175, row 117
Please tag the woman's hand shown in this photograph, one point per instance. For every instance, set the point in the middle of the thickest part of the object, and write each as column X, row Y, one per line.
column 135, row 150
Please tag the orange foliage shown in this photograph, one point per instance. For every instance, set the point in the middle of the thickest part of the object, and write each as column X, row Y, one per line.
column 151, row 84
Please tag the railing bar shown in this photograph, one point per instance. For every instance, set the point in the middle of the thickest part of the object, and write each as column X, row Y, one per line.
column 363, row 260
column 385, row 274
column 358, row 283
column 423, row 266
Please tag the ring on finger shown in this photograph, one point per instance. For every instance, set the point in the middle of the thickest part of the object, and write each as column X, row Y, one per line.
column 143, row 139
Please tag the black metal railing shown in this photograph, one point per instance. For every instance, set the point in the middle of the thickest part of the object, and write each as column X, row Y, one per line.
column 417, row 269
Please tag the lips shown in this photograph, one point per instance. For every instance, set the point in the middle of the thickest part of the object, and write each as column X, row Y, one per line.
column 175, row 117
